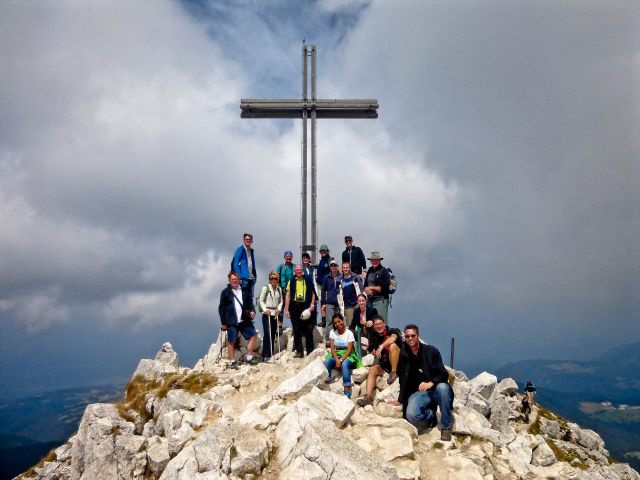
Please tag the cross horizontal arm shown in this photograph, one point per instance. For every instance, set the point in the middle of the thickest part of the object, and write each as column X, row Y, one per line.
column 294, row 108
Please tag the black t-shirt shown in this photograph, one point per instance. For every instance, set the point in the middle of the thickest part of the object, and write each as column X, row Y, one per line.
column 376, row 339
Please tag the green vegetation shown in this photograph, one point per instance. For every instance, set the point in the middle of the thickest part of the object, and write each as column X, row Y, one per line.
column 566, row 455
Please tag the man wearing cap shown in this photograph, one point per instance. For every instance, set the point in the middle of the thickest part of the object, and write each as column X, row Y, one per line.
column 329, row 297
column 349, row 287
column 323, row 264
column 301, row 297
column 354, row 256
column 285, row 270
column 376, row 285
column 244, row 263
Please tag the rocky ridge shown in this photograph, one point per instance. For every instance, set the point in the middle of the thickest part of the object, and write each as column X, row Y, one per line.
column 279, row 420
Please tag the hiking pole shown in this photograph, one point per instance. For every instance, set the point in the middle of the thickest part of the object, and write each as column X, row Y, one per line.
column 270, row 343
column 453, row 345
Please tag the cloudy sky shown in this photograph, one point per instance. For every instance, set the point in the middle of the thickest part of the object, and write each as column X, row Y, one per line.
column 501, row 181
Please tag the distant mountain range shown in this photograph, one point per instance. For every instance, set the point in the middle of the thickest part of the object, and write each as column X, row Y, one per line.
column 565, row 385
column 33, row 425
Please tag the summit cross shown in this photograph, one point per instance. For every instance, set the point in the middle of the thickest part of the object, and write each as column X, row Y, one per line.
column 309, row 107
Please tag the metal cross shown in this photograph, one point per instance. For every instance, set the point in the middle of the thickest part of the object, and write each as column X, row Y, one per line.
column 313, row 108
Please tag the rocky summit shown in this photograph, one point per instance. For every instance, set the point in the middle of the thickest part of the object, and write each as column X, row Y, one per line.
column 280, row 420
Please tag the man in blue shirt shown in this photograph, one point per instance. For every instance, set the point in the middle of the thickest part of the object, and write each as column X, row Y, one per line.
column 244, row 264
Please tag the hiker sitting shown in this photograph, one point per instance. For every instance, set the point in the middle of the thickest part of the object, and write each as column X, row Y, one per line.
column 342, row 355
column 385, row 344
column 271, row 300
column 362, row 323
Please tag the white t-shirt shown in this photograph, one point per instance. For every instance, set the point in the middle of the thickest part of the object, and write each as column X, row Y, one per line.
column 341, row 342
column 238, row 294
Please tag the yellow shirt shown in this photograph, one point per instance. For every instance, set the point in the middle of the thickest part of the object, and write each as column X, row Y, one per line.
column 301, row 290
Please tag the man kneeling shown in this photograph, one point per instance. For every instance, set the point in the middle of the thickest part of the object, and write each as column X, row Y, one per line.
column 424, row 384
column 385, row 344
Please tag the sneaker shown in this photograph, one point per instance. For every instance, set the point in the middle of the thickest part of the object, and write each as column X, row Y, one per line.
column 347, row 393
column 392, row 378
column 445, row 435
column 252, row 360
column 364, row 401
column 233, row 365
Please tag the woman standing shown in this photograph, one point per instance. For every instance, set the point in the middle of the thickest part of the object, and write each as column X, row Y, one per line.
column 362, row 321
column 271, row 300
column 342, row 355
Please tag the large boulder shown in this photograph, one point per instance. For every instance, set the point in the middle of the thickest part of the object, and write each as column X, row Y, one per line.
column 302, row 381
column 484, row 384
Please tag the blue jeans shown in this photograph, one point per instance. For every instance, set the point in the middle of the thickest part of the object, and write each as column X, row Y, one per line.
column 347, row 366
column 422, row 406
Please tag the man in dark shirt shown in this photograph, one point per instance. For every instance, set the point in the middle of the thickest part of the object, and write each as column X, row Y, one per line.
column 385, row 344
column 349, row 287
column 424, row 384
column 376, row 285
column 354, row 255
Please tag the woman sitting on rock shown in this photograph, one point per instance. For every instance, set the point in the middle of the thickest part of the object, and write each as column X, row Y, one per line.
column 342, row 356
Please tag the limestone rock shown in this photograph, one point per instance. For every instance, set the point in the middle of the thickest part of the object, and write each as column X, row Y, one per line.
column 158, row 455
column 359, row 375
column 168, row 355
column 484, row 384
column 220, row 450
column 499, row 418
column 303, row 381
column 180, row 399
column 507, row 386
column 179, row 437
column 542, row 454
column 479, row 404
column 468, row 421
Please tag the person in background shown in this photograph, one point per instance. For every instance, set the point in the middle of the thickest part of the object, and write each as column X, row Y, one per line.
column 329, row 297
column 342, row 355
column 323, row 265
column 349, row 288
column 271, row 303
column 236, row 317
column 300, row 301
column 530, row 390
column 376, row 285
column 244, row 263
column 362, row 323
column 285, row 270
column 354, row 256
column 306, row 264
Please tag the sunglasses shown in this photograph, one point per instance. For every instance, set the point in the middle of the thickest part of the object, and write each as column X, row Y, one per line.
column 273, row 278
column 410, row 336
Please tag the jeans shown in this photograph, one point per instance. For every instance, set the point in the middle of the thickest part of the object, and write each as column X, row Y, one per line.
column 249, row 284
column 346, row 368
column 422, row 406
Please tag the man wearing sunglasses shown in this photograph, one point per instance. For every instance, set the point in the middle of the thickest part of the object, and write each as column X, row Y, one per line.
column 354, row 255
column 424, row 384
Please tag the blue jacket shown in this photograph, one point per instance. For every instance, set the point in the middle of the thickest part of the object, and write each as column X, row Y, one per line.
column 330, row 290
column 323, row 269
column 227, row 307
column 240, row 263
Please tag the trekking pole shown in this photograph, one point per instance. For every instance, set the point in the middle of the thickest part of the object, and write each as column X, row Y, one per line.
column 269, row 340
column 278, row 333
column 453, row 345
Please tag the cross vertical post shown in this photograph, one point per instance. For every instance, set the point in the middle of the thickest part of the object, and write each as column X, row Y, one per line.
column 309, row 107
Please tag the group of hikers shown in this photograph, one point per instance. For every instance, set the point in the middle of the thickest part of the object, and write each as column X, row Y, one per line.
column 354, row 302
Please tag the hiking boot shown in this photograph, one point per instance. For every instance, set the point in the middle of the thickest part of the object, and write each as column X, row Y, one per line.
column 364, row 401
column 347, row 393
column 445, row 435
column 252, row 360
column 233, row 365
column 392, row 378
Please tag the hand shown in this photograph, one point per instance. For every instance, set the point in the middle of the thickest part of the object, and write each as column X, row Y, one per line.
column 369, row 324
column 323, row 309
column 424, row 386
column 312, row 307
column 338, row 363
column 252, row 315
column 286, row 314
column 368, row 290
column 278, row 313
column 378, row 351
column 223, row 328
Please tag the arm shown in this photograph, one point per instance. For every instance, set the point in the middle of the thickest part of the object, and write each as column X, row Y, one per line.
column 222, row 311
column 281, row 301
column 263, row 298
column 237, row 256
column 313, row 294
column 286, row 303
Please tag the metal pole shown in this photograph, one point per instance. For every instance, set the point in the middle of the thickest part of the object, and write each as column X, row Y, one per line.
column 303, row 219
column 453, row 346
column 314, row 165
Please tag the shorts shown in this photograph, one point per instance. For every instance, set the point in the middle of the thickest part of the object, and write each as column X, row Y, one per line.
column 384, row 363
column 247, row 331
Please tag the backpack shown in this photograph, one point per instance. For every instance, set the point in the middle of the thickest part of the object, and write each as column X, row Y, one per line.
column 393, row 282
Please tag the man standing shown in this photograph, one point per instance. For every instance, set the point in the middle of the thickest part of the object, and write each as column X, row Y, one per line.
column 424, row 384
column 349, row 287
column 285, row 270
column 300, row 298
column 385, row 344
column 244, row 263
column 376, row 285
column 354, row 256
column 236, row 317
column 329, row 297
column 323, row 265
